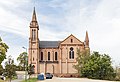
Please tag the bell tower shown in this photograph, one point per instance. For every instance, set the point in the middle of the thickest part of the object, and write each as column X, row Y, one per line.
column 34, row 43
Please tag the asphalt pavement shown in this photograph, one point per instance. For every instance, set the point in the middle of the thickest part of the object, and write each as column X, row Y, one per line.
column 17, row 80
column 57, row 79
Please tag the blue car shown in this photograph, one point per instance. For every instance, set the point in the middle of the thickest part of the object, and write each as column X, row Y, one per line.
column 40, row 77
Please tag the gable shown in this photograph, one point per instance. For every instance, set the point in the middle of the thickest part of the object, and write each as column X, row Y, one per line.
column 71, row 40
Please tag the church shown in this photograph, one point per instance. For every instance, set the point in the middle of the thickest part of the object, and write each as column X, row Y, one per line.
column 56, row 57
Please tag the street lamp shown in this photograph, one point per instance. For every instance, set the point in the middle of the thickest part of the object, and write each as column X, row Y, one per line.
column 24, row 48
column 25, row 65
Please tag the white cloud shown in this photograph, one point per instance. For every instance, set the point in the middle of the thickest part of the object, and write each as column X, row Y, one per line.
column 101, row 21
column 11, row 22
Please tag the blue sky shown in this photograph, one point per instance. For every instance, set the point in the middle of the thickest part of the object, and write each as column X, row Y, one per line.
column 60, row 18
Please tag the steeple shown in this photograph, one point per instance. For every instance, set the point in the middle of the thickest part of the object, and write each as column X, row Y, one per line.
column 34, row 42
column 86, row 40
column 34, row 15
column 34, row 22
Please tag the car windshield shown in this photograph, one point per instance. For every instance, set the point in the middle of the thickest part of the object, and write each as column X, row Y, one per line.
column 47, row 73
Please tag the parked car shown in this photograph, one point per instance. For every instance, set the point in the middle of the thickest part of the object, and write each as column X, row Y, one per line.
column 2, row 77
column 41, row 77
column 48, row 76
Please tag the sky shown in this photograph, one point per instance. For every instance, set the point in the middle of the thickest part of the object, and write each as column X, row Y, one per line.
column 58, row 19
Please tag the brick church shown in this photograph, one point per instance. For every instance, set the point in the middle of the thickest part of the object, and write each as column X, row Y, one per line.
column 56, row 57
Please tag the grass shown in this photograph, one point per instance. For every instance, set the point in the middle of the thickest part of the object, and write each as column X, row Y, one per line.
column 31, row 80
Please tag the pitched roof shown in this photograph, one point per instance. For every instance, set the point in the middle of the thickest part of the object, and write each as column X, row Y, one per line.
column 49, row 44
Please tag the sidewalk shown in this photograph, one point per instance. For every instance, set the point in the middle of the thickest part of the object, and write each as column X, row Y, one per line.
column 17, row 80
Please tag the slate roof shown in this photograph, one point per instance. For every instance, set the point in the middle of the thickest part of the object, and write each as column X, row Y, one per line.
column 49, row 44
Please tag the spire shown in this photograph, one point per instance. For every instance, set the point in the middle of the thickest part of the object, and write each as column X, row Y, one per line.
column 34, row 15
column 34, row 22
column 86, row 40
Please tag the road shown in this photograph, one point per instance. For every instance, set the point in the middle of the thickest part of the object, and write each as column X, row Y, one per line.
column 17, row 80
column 55, row 79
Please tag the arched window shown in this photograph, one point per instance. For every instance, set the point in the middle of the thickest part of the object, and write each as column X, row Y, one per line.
column 48, row 55
column 33, row 68
column 71, row 53
column 33, row 58
column 55, row 55
column 41, row 56
column 33, row 34
column 71, row 40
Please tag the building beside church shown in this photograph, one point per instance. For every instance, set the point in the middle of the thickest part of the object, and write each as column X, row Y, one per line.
column 57, row 57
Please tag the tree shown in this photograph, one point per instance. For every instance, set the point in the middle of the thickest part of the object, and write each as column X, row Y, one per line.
column 1, row 69
column 95, row 65
column 10, row 68
column 23, row 60
column 19, row 68
column 117, row 71
column 30, row 69
column 3, row 50
column 99, row 67
column 82, row 58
